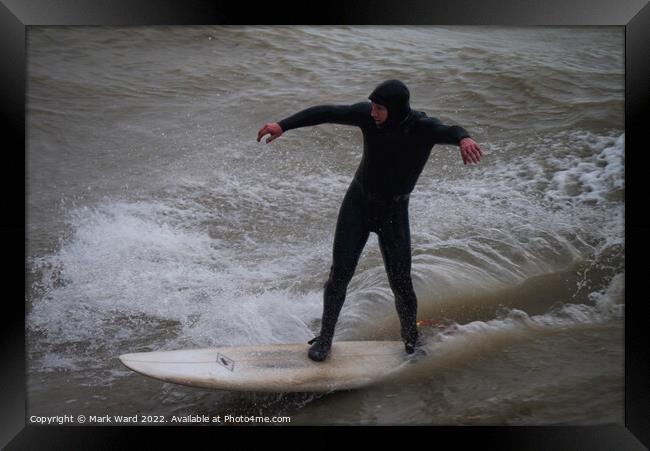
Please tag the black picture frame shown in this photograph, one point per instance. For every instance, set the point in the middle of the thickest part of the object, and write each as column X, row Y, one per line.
column 633, row 15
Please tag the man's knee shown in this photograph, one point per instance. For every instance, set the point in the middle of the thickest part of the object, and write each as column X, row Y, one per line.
column 339, row 277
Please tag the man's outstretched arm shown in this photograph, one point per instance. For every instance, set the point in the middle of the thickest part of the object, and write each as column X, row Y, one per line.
column 470, row 151
column 357, row 114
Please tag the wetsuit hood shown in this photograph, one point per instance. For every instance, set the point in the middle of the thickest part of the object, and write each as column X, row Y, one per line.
column 395, row 96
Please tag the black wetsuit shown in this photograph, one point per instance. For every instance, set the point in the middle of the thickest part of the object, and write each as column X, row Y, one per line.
column 394, row 155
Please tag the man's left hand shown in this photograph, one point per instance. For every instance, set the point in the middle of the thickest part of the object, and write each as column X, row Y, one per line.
column 470, row 151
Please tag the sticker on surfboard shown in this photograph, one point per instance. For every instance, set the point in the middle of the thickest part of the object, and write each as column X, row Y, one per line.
column 226, row 362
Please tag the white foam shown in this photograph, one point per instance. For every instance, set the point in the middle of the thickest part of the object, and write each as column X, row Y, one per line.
column 123, row 260
column 590, row 180
column 543, row 210
column 610, row 302
column 54, row 362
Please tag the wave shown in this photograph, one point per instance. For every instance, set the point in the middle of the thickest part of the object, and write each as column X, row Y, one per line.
column 234, row 261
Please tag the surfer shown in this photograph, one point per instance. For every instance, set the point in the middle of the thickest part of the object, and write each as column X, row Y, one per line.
column 397, row 142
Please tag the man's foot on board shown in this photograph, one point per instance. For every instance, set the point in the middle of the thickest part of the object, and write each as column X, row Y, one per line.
column 415, row 349
column 320, row 348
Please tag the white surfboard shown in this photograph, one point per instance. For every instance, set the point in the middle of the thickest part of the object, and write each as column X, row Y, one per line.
column 273, row 368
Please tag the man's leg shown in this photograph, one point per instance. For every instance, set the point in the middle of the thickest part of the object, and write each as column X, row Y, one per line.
column 349, row 239
column 395, row 245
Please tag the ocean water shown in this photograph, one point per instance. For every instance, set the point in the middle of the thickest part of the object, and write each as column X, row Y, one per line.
column 155, row 221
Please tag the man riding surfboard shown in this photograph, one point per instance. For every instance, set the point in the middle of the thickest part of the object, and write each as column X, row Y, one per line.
column 397, row 142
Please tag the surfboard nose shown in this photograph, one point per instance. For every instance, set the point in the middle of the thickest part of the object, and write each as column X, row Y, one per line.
column 139, row 361
column 143, row 362
column 137, row 356
column 130, row 360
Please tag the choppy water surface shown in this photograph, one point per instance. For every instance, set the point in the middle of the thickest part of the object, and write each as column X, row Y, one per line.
column 156, row 221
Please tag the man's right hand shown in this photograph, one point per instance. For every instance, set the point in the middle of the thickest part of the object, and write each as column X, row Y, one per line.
column 271, row 128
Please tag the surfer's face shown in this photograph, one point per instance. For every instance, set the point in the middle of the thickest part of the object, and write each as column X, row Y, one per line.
column 379, row 113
